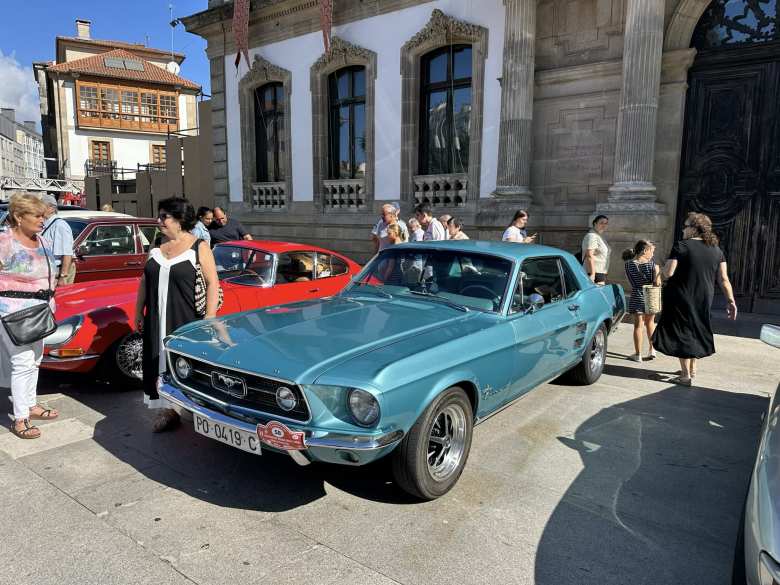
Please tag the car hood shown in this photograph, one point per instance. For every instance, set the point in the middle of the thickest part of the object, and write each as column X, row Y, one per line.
column 84, row 297
column 301, row 341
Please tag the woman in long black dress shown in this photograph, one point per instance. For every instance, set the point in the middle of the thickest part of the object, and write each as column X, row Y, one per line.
column 684, row 329
column 166, row 295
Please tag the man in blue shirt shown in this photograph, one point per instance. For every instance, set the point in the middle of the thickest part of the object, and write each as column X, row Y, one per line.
column 60, row 237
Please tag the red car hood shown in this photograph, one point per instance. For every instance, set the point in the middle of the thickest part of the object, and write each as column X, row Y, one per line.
column 97, row 294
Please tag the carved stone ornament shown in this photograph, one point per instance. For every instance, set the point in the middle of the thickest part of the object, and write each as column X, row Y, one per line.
column 442, row 29
column 263, row 71
column 342, row 53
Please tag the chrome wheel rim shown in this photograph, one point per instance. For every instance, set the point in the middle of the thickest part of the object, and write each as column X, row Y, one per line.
column 129, row 357
column 597, row 352
column 446, row 442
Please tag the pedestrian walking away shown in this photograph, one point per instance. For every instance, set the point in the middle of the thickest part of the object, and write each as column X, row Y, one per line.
column 57, row 232
column 224, row 229
column 695, row 263
column 516, row 230
column 166, row 295
column 26, row 280
column 596, row 252
column 641, row 270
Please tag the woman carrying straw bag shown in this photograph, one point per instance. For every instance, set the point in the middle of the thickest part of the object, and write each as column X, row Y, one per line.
column 642, row 272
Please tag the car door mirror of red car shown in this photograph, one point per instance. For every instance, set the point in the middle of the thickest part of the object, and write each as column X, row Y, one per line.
column 82, row 250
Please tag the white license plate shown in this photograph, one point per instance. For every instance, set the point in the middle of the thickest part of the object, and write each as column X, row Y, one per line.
column 229, row 435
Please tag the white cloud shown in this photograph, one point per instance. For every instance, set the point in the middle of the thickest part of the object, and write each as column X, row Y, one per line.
column 18, row 89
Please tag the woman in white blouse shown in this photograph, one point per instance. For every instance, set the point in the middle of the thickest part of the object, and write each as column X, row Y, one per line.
column 516, row 231
column 596, row 251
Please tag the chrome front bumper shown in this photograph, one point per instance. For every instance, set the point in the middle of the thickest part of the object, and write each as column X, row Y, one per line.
column 314, row 439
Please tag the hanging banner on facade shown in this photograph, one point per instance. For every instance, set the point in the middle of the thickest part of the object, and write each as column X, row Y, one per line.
column 326, row 20
column 241, row 30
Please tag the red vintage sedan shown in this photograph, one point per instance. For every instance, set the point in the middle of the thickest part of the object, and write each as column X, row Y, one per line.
column 96, row 319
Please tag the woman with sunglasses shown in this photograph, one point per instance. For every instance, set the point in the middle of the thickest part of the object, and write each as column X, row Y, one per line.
column 166, row 295
column 695, row 263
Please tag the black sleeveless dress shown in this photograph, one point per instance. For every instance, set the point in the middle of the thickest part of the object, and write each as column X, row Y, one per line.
column 170, row 304
column 684, row 329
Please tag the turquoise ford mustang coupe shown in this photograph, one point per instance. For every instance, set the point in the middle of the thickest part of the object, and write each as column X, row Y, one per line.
column 427, row 341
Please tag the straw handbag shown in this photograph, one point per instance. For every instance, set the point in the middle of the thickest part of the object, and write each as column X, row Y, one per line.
column 652, row 296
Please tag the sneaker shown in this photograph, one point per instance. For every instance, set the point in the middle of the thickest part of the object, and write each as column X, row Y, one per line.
column 650, row 356
column 635, row 358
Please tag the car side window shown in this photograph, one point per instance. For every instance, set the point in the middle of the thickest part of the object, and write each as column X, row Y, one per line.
column 148, row 234
column 328, row 266
column 569, row 280
column 540, row 276
column 295, row 267
column 109, row 240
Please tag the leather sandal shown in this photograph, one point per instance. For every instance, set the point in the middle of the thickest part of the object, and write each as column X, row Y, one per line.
column 45, row 414
column 28, row 432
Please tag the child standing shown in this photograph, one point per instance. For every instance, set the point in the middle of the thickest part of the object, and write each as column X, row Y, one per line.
column 641, row 269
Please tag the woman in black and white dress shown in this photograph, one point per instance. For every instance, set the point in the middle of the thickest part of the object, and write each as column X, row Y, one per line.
column 166, row 295
column 641, row 270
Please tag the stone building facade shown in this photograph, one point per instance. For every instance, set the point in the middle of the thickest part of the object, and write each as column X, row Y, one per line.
column 21, row 147
column 569, row 108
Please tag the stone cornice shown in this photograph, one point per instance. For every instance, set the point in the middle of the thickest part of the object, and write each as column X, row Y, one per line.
column 441, row 29
column 342, row 53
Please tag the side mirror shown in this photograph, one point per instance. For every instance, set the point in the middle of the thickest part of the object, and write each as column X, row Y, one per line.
column 82, row 250
column 770, row 334
column 533, row 303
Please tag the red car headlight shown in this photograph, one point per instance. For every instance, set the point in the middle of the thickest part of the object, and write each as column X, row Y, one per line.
column 65, row 331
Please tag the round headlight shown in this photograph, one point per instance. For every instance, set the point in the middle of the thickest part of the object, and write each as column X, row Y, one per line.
column 363, row 406
column 285, row 398
column 65, row 331
column 183, row 368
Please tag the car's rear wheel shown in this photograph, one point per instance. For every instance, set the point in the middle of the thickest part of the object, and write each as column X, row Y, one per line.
column 123, row 363
column 431, row 457
column 591, row 366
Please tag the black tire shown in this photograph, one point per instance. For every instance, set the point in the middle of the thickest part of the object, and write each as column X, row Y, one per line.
column 118, row 365
column 411, row 468
column 738, row 573
column 591, row 366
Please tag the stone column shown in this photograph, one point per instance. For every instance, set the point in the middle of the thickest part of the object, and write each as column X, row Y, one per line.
column 517, row 101
column 636, row 130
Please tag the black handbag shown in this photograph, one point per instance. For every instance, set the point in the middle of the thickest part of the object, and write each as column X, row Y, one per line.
column 33, row 323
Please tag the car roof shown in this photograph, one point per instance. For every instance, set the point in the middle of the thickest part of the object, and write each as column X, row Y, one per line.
column 107, row 216
column 276, row 247
column 508, row 250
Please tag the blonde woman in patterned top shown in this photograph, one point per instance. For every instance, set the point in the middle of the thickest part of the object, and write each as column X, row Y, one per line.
column 27, row 274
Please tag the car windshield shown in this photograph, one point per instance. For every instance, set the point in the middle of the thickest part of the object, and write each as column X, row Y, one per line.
column 245, row 266
column 76, row 226
column 462, row 279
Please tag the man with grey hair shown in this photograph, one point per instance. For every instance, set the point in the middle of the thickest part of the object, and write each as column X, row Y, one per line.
column 379, row 231
column 58, row 234
column 445, row 221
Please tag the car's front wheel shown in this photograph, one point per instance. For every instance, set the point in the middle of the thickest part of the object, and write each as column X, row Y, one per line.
column 124, row 362
column 591, row 366
column 430, row 459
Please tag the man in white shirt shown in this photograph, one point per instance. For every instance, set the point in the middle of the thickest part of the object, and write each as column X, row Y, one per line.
column 379, row 232
column 432, row 226
column 60, row 237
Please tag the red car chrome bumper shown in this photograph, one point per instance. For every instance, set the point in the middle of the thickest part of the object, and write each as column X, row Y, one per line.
column 81, row 364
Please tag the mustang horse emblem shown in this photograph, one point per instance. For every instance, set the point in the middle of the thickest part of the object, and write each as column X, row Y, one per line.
column 230, row 384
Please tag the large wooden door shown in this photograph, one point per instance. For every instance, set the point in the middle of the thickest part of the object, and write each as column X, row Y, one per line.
column 731, row 165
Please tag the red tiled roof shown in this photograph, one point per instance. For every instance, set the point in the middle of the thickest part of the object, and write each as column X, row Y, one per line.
column 119, row 45
column 95, row 65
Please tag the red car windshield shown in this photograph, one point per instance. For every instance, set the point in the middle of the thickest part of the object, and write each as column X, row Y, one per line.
column 244, row 265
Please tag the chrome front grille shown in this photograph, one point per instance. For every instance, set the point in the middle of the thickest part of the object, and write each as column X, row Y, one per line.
column 257, row 392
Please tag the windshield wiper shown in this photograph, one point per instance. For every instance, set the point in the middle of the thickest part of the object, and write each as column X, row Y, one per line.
column 445, row 300
column 376, row 288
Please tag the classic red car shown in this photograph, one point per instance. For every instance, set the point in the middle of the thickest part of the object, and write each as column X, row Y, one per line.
column 96, row 319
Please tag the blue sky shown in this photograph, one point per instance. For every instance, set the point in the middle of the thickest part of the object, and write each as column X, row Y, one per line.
column 36, row 23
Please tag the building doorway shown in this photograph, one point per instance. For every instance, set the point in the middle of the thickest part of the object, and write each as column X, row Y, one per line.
column 730, row 167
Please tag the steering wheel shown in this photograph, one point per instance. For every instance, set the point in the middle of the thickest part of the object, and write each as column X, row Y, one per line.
column 246, row 271
column 491, row 295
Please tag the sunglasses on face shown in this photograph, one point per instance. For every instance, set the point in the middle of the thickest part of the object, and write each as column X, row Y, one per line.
column 163, row 216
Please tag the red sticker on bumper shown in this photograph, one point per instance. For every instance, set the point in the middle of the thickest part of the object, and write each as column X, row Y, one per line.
column 281, row 437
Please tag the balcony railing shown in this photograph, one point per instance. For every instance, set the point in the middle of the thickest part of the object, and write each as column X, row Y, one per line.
column 344, row 194
column 269, row 196
column 448, row 190
column 95, row 168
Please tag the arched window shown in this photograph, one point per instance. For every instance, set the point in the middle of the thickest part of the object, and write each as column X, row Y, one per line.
column 270, row 147
column 347, row 104
column 445, row 116
column 737, row 22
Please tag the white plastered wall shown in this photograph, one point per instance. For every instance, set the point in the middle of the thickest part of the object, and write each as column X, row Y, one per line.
column 384, row 35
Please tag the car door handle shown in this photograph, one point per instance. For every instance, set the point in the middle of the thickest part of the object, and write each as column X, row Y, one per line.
column 132, row 263
column 574, row 307
column 314, row 290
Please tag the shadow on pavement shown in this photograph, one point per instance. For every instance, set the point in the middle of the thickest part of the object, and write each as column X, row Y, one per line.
column 206, row 469
column 661, row 491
